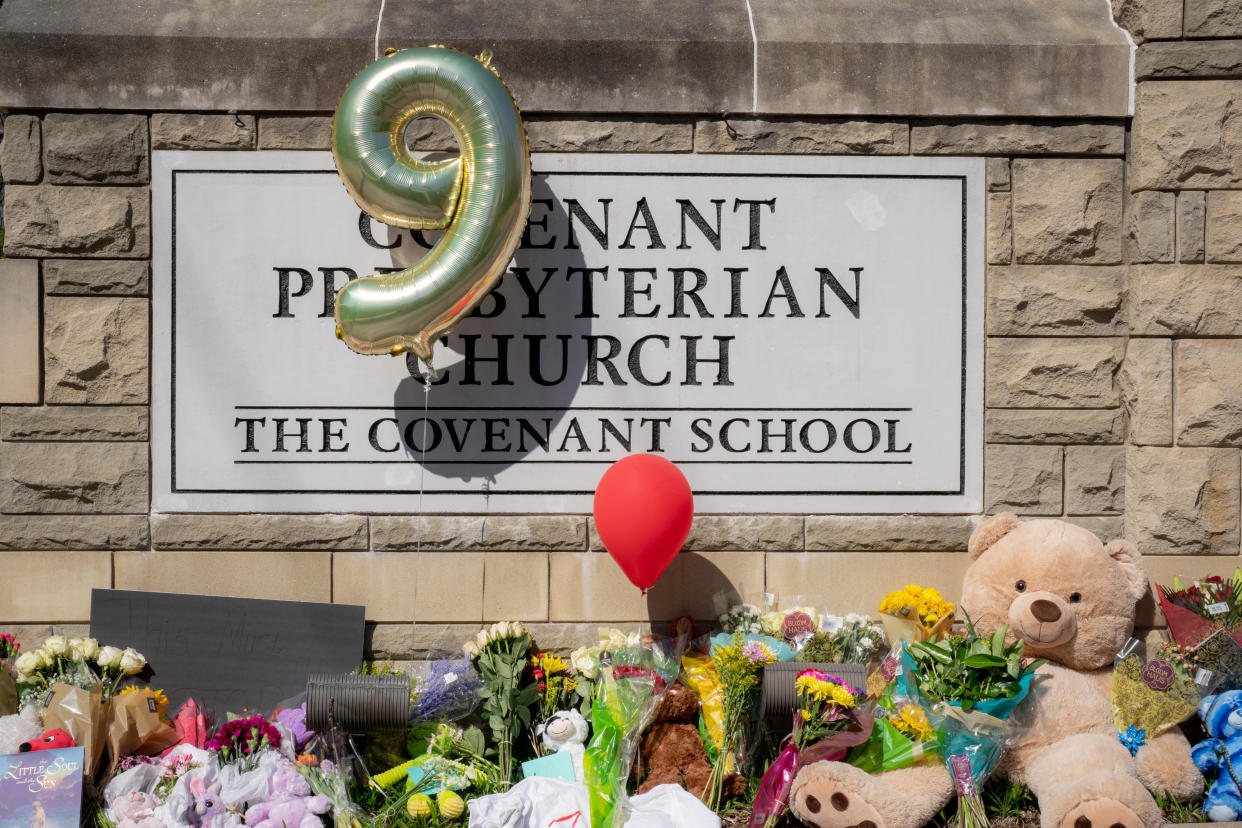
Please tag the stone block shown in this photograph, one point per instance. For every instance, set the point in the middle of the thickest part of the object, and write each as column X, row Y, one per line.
column 1189, row 59
column 610, row 135
column 1041, row 372
column 1182, row 501
column 1213, row 18
column 21, row 150
column 195, row 131
column 296, row 133
column 74, row 477
column 999, row 240
column 20, row 338
column 238, row 532
column 503, row 532
column 431, row 135
column 74, row 422
column 96, row 277
column 1104, row 528
column 1149, row 227
column 388, row 642
column 589, row 586
column 1191, row 225
column 835, row 136
column 1186, row 135
column 1146, row 383
column 1067, row 210
column 1224, row 226
column 1063, row 300
column 515, row 586
column 1095, row 479
column 1025, row 480
column 858, row 581
column 283, row 576
column 1148, row 19
column 35, row 589
column 74, row 532
column 408, row 586
column 695, row 581
column 92, row 222
column 1053, row 425
column 1185, row 300
column 1015, row 138
column 998, row 175
column 95, row 350
column 712, row 533
column 888, row 533
column 96, row 149
column 1209, row 392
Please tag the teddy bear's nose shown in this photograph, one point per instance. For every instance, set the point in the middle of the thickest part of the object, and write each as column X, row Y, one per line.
column 1045, row 611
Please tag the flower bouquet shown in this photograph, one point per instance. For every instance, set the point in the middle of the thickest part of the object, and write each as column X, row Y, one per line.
column 1150, row 696
column 631, row 682
column 826, row 723
column 901, row 735
column 241, row 741
column 8, row 689
column 915, row 613
column 738, row 665
column 1197, row 611
column 447, row 693
column 500, row 654
column 1221, row 654
column 970, row 685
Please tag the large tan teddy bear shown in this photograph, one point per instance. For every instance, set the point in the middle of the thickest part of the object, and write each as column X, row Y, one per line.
column 1072, row 600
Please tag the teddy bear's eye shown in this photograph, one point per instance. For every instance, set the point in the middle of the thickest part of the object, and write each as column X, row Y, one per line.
column 1075, row 597
column 1020, row 586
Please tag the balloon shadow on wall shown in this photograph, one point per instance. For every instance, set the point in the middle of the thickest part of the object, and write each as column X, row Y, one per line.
column 691, row 586
column 508, row 374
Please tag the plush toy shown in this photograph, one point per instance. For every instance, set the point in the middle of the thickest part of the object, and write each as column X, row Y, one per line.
column 566, row 732
column 21, row 727
column 1072, row 600
column 1221, row 754
column 136, row 810
column 290, row 805
column 207, row 802
column 51, row 740
column 672, row 750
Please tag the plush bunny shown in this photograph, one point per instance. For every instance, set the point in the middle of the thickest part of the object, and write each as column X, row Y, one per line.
column 1221, row 753
column 291, row 805
column 135, row 810
column 207, row 802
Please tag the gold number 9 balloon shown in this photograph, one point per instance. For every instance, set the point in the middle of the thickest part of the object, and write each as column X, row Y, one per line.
column 481, row 199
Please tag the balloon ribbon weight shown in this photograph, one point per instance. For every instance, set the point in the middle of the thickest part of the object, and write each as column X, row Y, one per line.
column 643, row 512
column 480, row 199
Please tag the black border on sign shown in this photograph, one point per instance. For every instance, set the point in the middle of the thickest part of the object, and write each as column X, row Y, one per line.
column 961, row 487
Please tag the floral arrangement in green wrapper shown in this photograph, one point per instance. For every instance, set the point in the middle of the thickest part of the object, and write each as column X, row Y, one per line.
column 738, row 664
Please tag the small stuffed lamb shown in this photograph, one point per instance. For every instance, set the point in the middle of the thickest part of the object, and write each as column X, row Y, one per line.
column 566, row 732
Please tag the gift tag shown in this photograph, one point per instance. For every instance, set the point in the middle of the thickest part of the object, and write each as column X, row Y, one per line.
column 962, row 775
column 1219, row 608
column 1203, row 677
column 1158, row 674
column 797, row 625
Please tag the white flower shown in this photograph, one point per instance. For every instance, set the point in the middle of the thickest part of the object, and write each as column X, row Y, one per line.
column 109, row 657
column 585, row 662
column 28, row 663
column 770, row 623
column 57, row 645
column 75, row 649
column 90, row 649
column 471, row 649
column 132, row 662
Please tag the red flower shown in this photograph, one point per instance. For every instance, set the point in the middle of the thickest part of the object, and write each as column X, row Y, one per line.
column 1214, row 579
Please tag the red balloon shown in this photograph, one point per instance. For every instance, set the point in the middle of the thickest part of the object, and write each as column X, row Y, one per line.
column 643, row 511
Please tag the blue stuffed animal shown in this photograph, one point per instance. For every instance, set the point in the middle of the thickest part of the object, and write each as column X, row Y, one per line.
column 1222, row 753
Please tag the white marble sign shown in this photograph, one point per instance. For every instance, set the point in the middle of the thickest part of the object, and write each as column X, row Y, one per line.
column 797, row 334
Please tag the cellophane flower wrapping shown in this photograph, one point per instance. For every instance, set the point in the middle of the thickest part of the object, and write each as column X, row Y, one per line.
column 1151, row 695
column 1196, row 612
column 627, row 693
column 448, row 693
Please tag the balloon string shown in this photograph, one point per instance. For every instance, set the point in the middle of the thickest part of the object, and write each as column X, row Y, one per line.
column 422, row 466
column 378, row 22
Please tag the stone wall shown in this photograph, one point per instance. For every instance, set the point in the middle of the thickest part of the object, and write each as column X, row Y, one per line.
column 1113, row 382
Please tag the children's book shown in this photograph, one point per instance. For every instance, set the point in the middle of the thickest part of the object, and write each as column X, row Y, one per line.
column 41, row 789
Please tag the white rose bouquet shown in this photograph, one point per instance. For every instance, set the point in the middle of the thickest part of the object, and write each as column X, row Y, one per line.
column 500, row 652
column 78, row 662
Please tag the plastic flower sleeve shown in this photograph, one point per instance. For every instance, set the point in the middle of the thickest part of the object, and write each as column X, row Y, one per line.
column 1152, row 695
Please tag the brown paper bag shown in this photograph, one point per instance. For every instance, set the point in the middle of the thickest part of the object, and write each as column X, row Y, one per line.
column 8, row 691
column 80, row 713
column 134, row 727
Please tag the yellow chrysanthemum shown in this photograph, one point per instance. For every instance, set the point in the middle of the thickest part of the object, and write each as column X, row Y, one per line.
column 913, row 722
column 806, row 715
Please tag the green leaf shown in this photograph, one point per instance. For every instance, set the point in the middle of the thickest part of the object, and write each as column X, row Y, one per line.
column 984, row 661
column 473, row 739
column 998, row 642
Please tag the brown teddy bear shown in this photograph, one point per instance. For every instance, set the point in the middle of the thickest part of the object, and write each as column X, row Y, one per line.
column 1072, row 600
column 672, row 750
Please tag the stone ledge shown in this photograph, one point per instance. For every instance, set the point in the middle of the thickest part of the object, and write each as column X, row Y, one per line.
column 1027, row 58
